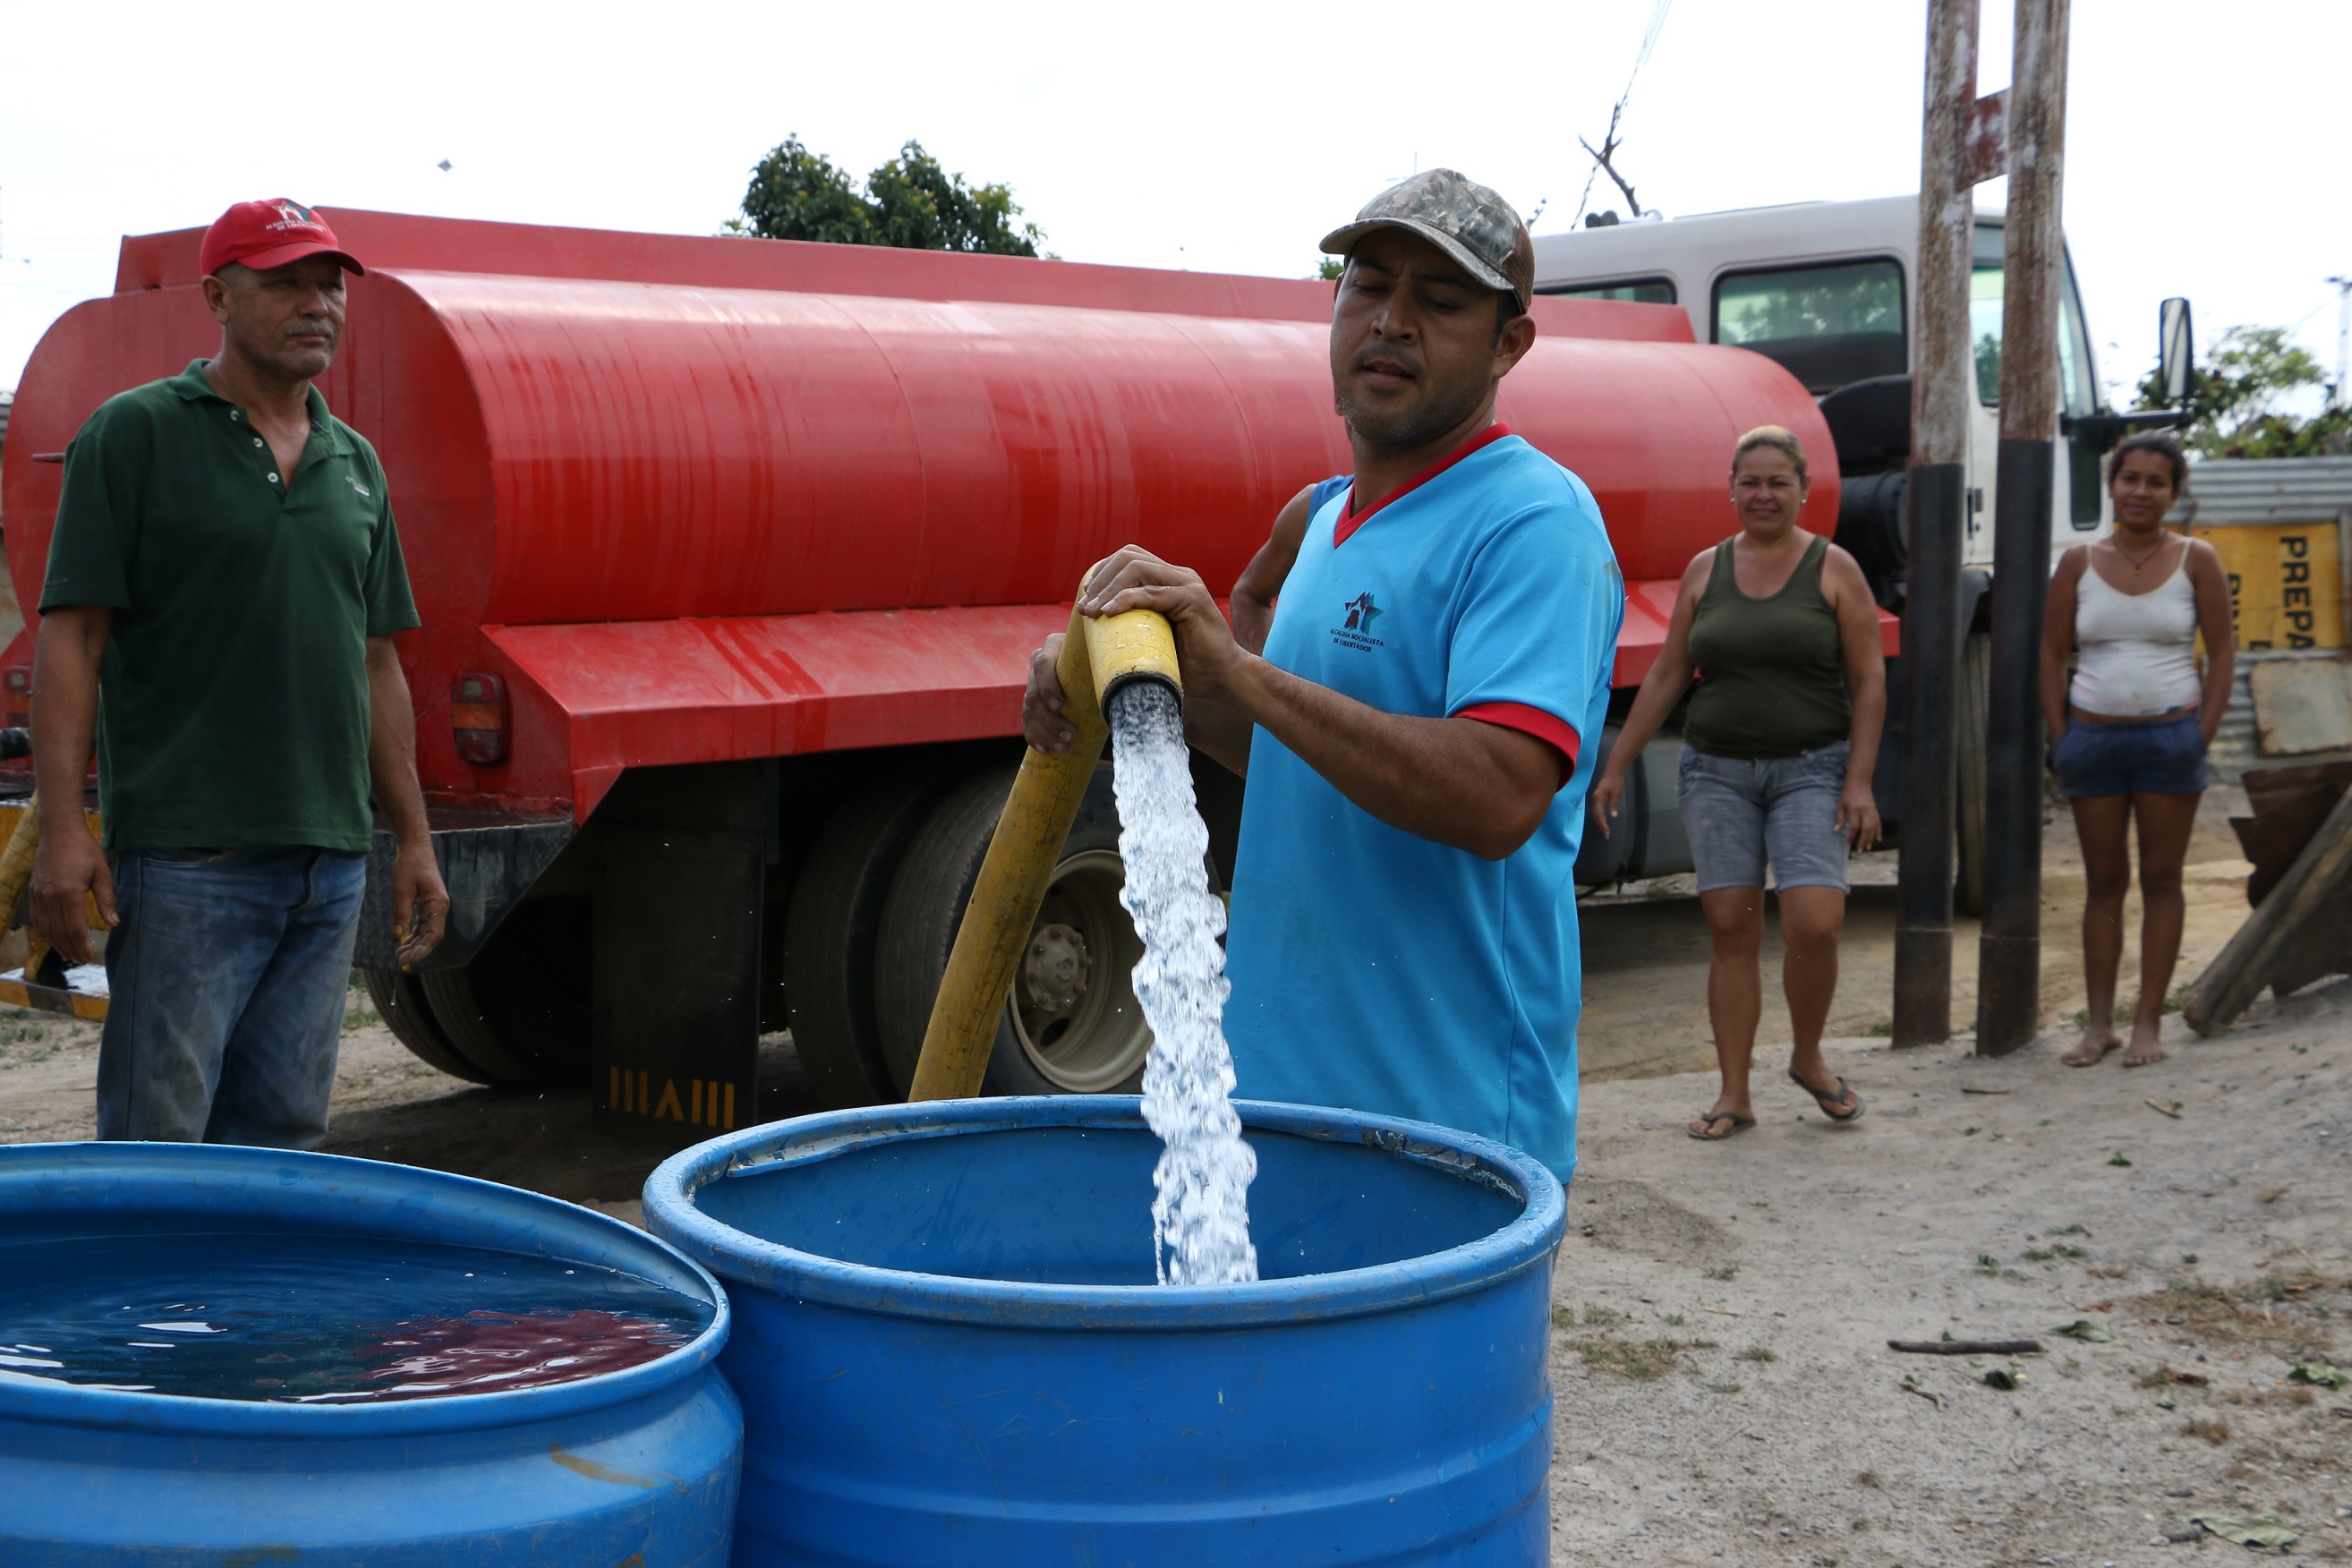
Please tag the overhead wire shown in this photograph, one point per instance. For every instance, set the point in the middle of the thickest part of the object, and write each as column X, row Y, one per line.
column 1649, row 41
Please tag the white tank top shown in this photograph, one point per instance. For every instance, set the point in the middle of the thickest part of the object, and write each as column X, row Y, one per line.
column 2138, row 652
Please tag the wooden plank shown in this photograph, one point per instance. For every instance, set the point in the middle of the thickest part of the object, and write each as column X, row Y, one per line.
column 2263, row 946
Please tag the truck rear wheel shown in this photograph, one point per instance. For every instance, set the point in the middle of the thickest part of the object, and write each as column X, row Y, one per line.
column 1975, row 689
column 830, row 935
column 520, row 1008
column 1072, row 1025
column 400, row 1002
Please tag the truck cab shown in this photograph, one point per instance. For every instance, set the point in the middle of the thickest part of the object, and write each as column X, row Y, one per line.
column 1825, row 290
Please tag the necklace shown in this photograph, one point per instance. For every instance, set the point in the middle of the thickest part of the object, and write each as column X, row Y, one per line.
column 2143, row 561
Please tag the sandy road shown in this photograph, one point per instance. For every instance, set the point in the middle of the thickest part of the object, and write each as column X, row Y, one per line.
column 1724, row 1393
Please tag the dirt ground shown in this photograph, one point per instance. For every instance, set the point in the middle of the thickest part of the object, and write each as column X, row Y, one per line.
column 1725, row 1395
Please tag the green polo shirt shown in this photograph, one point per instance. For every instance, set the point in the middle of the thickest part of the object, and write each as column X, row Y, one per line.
column 233, row 694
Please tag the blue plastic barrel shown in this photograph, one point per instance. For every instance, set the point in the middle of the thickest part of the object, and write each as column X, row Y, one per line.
column 950, row 1348
column 637, row 1467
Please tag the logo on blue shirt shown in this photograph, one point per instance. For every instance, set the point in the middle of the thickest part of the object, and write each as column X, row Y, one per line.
column 1356, row 632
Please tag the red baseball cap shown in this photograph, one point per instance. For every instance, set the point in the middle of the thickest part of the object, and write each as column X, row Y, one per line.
column 263, row 234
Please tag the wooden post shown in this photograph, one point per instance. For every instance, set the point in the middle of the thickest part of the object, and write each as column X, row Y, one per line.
column 1943, row 380
column 2008, row 953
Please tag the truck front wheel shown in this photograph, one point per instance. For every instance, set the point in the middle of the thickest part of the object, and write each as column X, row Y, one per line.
column 1072, row 1025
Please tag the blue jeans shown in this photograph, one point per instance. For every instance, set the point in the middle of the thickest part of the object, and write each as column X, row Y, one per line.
column 227, row 971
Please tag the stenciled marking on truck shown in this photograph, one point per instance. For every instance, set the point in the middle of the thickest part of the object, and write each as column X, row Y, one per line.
column 704, row 1104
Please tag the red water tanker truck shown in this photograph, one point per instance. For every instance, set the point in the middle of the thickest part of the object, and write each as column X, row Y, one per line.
column 731, row 555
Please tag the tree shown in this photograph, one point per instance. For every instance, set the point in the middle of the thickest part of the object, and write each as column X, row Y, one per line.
column 799, row 195
column 2234, row 403
column 910, row 202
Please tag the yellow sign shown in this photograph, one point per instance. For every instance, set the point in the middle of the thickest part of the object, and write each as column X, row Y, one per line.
column 2286, row 582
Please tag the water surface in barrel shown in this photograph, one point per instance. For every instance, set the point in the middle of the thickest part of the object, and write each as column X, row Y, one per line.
column 1200, row 1219
column 321, row 1318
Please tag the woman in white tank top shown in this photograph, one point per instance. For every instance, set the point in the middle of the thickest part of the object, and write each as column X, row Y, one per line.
column 2132, row 722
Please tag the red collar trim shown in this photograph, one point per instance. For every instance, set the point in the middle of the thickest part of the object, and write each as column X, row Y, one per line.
column 1351, row 519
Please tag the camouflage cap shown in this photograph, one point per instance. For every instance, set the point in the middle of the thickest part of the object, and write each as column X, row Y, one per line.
column 1463, row 218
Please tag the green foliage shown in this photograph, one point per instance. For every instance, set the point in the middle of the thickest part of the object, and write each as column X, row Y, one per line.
column 1329, row 269
column 921, row 206
column 2233, row 401
column 912, row 202
column 799, row 195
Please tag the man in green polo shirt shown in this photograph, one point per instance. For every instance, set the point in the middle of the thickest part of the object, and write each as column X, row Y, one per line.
column 223, row 588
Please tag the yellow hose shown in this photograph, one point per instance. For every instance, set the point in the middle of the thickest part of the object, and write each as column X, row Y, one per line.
column 17, row 862
column 17, row 867
column 1098, row 656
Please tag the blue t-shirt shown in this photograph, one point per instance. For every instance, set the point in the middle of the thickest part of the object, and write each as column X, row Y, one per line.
column 1382, row 972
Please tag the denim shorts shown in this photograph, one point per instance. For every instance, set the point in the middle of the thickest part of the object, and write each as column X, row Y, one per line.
column 1741, row 812
column 2164, row 755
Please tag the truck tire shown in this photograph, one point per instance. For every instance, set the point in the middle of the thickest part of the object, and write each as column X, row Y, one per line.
column 1072, row 1025
column 400, row 1002
column 830, row 933
column 1975, row 690
column 519, row 1009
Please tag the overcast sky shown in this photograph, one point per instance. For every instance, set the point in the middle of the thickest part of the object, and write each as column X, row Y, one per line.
column 2202, row 155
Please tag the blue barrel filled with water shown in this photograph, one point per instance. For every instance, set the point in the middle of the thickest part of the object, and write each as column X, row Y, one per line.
column 950, row 1346
column 216, row 1356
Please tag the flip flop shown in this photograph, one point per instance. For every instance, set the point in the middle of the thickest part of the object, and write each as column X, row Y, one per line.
column 1739, row 1124
column 1830, row 1102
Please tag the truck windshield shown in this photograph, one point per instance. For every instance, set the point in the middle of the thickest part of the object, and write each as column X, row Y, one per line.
column 1828, row 324
column 1984, row 327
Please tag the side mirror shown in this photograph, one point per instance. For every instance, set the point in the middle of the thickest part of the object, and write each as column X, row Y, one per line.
column 2176, row 351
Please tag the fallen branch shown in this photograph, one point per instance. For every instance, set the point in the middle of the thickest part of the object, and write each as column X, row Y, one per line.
column 1966, row 1347
column 2171, row 1111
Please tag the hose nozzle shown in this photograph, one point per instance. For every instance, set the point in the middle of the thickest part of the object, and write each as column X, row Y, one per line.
column 1137, row 645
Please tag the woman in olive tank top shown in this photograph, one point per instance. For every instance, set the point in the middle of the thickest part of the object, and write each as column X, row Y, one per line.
column 1778, row 630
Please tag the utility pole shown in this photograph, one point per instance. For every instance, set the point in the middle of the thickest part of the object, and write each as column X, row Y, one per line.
column 2008, row 957
column 1958, row 148
column 2337, row 395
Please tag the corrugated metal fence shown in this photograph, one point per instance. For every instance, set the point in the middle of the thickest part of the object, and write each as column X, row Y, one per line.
column 2284, row 527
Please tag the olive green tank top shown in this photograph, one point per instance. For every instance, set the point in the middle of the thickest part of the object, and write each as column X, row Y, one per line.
column 1771, row 671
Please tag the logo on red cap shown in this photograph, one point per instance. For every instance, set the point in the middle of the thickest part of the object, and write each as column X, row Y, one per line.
column 263, row 235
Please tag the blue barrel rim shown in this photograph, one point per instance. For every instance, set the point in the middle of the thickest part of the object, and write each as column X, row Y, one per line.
column 1527, row 1242
column 35, row 1399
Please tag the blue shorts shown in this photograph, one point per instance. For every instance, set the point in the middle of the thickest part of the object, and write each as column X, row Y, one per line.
column 2139, row 756
column 1740, row 813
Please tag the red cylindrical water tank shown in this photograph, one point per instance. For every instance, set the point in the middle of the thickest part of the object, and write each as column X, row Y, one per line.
column 572, row 450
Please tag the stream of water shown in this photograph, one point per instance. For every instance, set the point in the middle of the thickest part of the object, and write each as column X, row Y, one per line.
column 1199, row 1214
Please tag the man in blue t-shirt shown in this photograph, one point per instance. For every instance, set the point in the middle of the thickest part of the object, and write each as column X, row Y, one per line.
column 1419, row 734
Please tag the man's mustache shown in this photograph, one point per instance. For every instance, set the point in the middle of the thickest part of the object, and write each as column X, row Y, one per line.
column 1374, row 353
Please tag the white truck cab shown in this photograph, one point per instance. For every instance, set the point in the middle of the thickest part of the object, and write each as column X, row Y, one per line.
column 1825, row 290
